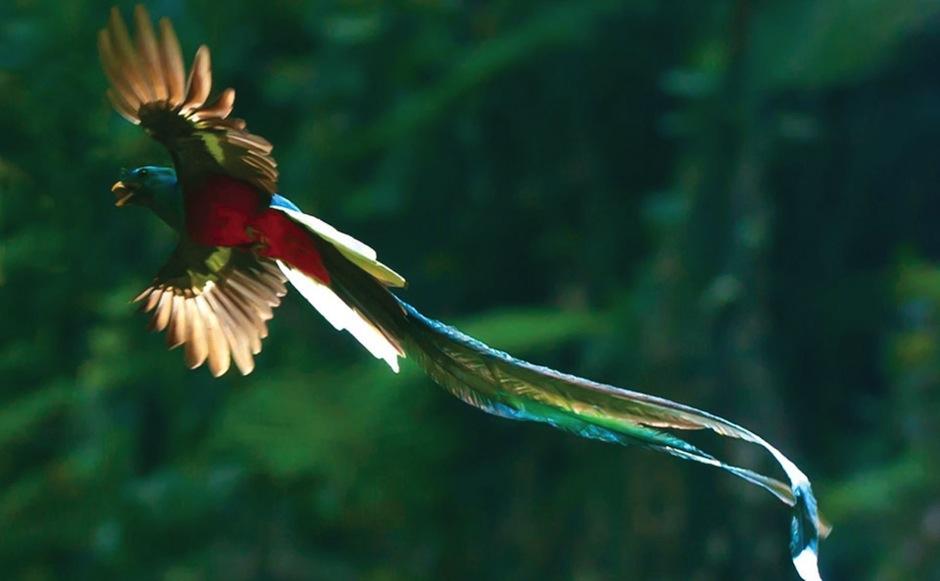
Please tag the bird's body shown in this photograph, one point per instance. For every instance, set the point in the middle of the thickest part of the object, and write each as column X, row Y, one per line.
column 223, row 211
column 240, row 242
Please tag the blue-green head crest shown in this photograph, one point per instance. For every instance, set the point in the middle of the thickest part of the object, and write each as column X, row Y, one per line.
column 145, row 185
column 153, row 187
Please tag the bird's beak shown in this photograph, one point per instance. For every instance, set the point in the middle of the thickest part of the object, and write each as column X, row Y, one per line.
column 123, row 192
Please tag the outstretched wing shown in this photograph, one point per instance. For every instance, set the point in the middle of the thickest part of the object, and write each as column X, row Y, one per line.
column 149, row 88
column 216, row 302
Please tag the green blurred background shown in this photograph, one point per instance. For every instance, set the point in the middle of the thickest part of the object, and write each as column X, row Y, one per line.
column 733, row 204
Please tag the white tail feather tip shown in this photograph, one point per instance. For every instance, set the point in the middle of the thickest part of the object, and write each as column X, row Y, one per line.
column 807, row 565
column 342, row 316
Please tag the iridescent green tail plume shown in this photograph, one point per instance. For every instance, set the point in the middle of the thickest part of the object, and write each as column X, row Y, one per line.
column 500, row 384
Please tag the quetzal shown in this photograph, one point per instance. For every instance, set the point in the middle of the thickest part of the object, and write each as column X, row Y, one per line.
column 240, row 242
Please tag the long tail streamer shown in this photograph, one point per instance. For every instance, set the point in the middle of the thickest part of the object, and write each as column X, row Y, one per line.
column 500, row 384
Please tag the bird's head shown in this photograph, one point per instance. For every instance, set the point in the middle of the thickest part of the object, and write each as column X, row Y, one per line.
column 153, row 187
column 145, row 186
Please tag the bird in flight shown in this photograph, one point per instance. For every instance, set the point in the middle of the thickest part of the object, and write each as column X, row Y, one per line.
column 241, row 243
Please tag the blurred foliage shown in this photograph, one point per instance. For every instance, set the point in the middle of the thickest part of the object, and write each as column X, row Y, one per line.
column 729, row 203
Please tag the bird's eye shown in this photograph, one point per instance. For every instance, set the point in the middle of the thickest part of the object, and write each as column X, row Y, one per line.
column 142, row 173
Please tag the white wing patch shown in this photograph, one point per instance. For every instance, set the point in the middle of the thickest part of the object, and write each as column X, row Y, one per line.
column 342, row 316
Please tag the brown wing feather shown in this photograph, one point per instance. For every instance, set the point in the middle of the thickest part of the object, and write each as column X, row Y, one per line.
column 148, row 89
column 215, row 303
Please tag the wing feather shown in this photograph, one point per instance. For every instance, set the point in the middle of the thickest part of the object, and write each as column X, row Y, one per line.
column 215, row 303
column 235, row 333
column 176, row 331
column 174, row 72
column 200, row 81
column 122, row 88
column 197, row 348
column 149, row 52
column 121, row 106
column 127, row 57
column 219, row 356
column 149, row 87
column 161, row 317
column 220, row 108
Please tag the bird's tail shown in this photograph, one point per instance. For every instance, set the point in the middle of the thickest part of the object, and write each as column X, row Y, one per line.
column 500, row 384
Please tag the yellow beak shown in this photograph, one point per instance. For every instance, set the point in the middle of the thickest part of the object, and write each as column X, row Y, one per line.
column 122, row 193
